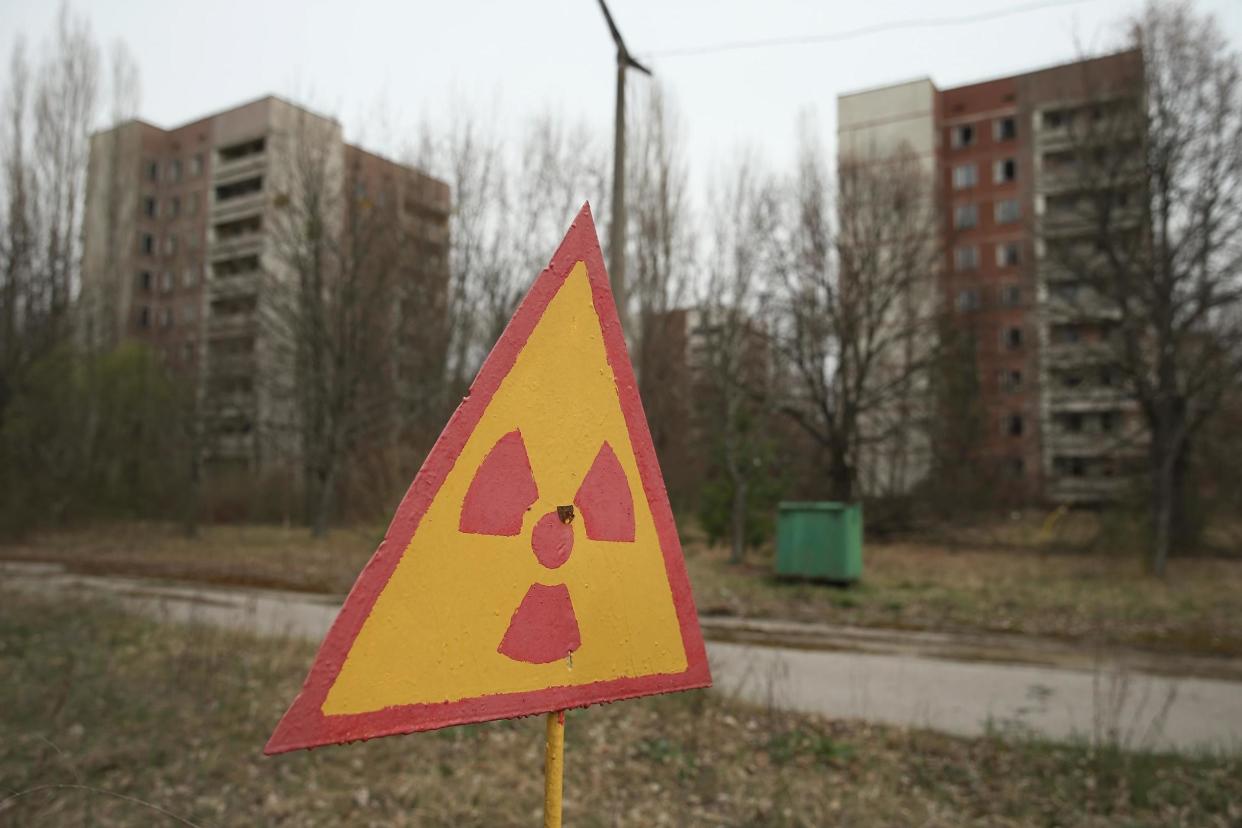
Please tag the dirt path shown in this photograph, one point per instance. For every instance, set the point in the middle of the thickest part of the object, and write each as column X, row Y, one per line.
column 956, row 684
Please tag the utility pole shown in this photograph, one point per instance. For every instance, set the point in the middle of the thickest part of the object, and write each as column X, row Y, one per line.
column 616, row 231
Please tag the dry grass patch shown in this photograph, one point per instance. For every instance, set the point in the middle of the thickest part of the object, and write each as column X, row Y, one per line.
column 97, row 705
column 282, row 557
column 1099, row 598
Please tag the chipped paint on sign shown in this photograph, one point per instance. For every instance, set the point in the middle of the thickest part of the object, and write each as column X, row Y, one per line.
column 490, row 597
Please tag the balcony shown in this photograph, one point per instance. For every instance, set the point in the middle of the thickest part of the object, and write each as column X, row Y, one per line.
column 1088, row 398
column 1085, row 490
column 1083, row 443
column 1082, row 220
column 238, row 207
column 231, row 365
column 1079, row 353
column 239, row 168
column 239, row 284
column 234, row 246
column 233, row 445
column 231, row 325
column 1079, row 309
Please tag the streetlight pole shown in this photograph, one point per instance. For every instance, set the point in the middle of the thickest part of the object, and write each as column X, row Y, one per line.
column 616, row 231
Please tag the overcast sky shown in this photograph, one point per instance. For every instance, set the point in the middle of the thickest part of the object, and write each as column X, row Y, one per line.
column 512, row 59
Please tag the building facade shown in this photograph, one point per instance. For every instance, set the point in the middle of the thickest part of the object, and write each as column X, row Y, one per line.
column 183, row 250
column 1007, row 170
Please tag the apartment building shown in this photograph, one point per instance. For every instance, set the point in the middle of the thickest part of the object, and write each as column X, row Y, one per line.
column 182, row 250
column 1007, row 175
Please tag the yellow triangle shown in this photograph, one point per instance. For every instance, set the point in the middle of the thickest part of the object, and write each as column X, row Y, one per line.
column 433, row 633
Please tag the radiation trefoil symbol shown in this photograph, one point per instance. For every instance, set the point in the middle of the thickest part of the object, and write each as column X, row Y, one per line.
column 544, row 627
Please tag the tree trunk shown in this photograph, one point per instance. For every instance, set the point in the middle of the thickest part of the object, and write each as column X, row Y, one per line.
column 1170, row 456
column 840, row 477
column 1162, row 510
column 738, row 520
column 325, row 481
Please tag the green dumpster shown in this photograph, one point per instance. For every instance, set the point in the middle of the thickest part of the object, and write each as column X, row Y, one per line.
column 819, row 540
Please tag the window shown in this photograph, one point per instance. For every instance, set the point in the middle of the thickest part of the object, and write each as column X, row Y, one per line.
column 166, row 317
column 192, row 203
column 967, row 175
column 174, row 207
column 166, row 284
column 1072, row 423
column 1072, row 466
column 170, row 244
column 962, row 136
column 196, row 165
column 150, row 208
column 1056, row 118
column 1108, row 421
column 1004, row 129
column 965, row 258
column 146, row 244
column 189, row 313
column 1013, row 338
column 1011, row 296
column 1008, row 254
column 1017, row 467
column 1007, row 211
column 189, row 277
column 1009, row 380
column 1065, row 334
column 1066, row 291
column 187, row 351
column 144, row 281
column 174, row 169
column 968, row 299
column 965, row 215
column 1004, row 171
column 144, row 317
column 1013, row 425
column 153, row 171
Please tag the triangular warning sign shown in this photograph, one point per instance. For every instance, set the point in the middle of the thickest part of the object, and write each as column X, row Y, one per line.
column 533, row 565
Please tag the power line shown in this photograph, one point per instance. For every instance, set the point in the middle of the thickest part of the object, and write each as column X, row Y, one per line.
column 878, row 28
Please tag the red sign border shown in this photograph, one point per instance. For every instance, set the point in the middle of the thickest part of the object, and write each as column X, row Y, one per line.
column 304, row 725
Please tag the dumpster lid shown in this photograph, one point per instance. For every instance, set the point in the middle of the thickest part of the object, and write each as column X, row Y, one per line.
column 813, row 506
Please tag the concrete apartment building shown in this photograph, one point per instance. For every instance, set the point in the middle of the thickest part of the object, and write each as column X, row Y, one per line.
column 1005, row 174
column 180, row 251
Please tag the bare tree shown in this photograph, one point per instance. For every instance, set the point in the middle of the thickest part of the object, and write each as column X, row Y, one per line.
column 731, row 355
column 855, row 310
column 348, row 254
column 511, row 204
column 661, row 261
column 48, row 115
column 19, row 241
column 64, row 111
column 1159, row 158
column 471, row 158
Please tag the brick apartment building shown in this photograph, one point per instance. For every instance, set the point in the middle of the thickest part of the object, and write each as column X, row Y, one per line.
column 1002, row 167
column 180, row 252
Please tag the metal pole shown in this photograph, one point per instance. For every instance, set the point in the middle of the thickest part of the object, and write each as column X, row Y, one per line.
column 616, row 233
column 554, row 770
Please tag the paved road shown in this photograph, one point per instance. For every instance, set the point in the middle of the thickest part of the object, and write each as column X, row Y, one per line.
column 894, row 678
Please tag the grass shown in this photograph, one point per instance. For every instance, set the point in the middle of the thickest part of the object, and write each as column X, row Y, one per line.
column 97, row 705
column 1089, row 597
column 1001, row 580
